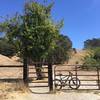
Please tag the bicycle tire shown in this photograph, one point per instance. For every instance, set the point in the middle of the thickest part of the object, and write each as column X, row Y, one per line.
column 58, row 85
column 74, row 83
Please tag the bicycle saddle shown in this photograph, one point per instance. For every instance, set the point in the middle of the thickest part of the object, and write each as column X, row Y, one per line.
column 60, row 74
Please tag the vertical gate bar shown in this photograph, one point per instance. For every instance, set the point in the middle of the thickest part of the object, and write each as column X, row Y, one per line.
column 76, row 72
column 98, row 78
column 54, row 75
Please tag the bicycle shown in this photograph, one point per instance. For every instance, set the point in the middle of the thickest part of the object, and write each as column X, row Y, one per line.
column 74, row 82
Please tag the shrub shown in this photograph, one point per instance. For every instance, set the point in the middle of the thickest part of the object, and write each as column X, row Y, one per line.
column 92, row 60
column 6, row 48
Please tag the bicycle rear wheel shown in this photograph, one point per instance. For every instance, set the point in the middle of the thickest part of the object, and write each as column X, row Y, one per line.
column 58, row 85
column 74, row 83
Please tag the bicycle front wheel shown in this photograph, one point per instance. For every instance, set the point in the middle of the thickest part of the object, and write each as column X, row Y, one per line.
column 58, row 85
column 74, row 83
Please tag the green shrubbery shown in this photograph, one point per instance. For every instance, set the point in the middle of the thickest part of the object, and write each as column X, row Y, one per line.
column 92, row 60
column 6, row 48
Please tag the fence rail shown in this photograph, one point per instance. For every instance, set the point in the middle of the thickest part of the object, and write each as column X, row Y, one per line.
column 11, row 72
column 89, row 79
column 10, row 66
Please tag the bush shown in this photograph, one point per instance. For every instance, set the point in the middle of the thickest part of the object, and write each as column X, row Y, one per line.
column 97, row 54
column 6, row 48
column 92, row 60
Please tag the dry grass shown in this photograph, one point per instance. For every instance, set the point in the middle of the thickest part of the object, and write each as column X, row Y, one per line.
column 7, row 88
column 77, row 57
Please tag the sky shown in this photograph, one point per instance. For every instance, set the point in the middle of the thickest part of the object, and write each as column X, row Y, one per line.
column 81, row 17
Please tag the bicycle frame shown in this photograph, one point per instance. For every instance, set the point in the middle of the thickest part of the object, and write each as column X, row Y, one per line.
column 62, row 79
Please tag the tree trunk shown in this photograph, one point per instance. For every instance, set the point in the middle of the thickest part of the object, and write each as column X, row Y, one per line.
column 25, row 64
column 39, row 73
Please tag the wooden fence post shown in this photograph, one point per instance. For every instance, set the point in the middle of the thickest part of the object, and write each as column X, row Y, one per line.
column 50, row 78
column 98, row 78
column 25, row 71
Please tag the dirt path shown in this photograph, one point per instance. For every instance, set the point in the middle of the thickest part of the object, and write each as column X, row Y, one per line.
column 57, row 96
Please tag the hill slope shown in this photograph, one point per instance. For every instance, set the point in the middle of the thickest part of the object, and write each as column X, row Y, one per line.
column 4, row 60
column 77, row 57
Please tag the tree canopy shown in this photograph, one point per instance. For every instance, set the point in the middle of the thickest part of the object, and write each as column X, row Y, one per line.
column 36, row 35
column 92, row 43
column 33, row 30
column 61, row 52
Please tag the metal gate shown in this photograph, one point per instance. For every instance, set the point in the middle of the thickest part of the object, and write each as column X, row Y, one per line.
column 67, row 77
column 35, row 85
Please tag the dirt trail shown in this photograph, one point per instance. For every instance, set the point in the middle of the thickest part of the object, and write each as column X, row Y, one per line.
column 57, row 96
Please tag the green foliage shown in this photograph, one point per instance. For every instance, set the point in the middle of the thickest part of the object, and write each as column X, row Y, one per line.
column 64, row 41
column 34, row 32
column 97, row 54
column 36, row 35
column 92, row 59
column 6, row 48
column 93, row 43
column 61, row 51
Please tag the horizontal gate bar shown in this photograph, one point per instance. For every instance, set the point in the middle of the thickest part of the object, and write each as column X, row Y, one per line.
column 35, row 72
column 39, row 82
column 11, row 66
column 37, row 86
column 36, row 77
column 78, row 75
